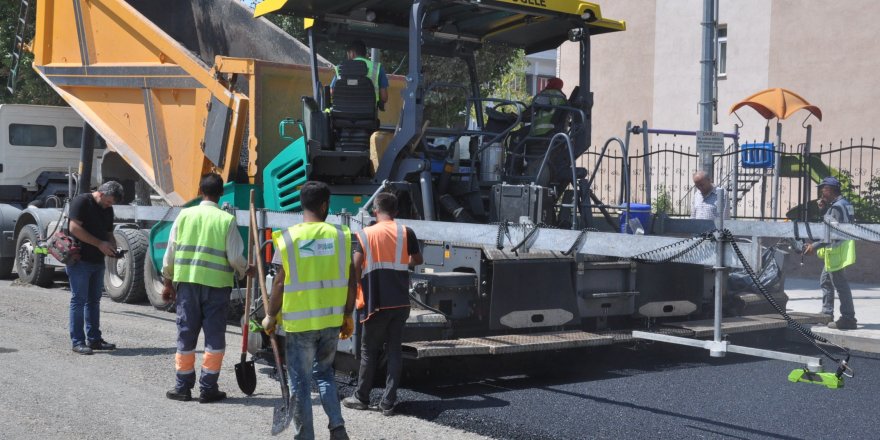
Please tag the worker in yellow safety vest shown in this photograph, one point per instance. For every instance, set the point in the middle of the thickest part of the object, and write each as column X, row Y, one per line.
column 357, row 50
column 204, row 254
column 836, row 256
column 552, row 95
column 314, row 290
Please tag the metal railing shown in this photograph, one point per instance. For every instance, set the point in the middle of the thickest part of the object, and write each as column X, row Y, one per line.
column 855, row 162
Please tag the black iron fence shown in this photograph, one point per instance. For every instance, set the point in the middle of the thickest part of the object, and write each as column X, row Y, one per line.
column 665, row 173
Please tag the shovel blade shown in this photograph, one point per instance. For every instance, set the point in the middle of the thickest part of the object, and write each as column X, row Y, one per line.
column 281, row 416
column 246, row 376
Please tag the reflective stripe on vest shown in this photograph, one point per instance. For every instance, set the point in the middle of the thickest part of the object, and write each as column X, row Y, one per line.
column 372, row 73
column 200, row 247
column 314, row 304
column 372, row 265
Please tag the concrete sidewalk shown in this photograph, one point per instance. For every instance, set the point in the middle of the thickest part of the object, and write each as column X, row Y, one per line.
column 804, row 295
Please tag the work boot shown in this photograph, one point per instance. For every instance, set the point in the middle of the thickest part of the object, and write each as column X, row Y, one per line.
column 353, row 402
column 208, row 396
column 338, row 433
column 82, row 349
column 180, row 395
column 101, row 344
column 843, row 324
column 387, row 410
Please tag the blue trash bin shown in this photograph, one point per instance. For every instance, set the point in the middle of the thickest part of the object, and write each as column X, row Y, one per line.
column 638, row 211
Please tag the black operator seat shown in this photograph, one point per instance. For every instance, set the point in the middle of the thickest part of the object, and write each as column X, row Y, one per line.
column 353, row 116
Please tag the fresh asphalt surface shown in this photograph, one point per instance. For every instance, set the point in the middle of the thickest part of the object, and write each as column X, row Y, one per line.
column 654, row 392
column 621, row 392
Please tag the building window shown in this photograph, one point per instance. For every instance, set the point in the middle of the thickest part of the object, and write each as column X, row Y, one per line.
column 536, row 83
column 721, row 51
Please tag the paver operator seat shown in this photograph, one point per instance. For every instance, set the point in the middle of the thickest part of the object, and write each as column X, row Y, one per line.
column 339, row 138
column 353, row 116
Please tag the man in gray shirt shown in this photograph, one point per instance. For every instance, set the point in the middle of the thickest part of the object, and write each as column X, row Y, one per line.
column 707, row 199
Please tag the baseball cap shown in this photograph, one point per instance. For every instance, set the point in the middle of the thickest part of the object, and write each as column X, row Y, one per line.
column 830, row 181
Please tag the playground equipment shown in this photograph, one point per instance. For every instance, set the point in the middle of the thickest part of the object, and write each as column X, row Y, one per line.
column 780, row 104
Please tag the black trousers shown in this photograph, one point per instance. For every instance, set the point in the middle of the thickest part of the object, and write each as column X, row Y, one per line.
column 385, row 327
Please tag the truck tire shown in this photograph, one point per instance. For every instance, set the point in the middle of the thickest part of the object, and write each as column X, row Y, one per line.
column 6, row 264
column 154, row 282
column 32, row 268
column 124, row 277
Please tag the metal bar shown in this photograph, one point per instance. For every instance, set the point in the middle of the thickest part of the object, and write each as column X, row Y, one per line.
column 766, row 229
column 313, row 58
column 646, row 162
column 86, row 156
column 720, row 277
column 806, row 176
column 813, row 364
column 684, row 132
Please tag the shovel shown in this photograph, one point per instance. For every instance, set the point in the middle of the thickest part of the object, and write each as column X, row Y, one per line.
column 282, row 415
column 245, row 373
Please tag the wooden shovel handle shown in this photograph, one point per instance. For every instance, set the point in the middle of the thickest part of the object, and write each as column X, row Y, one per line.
column 261, row 280
column 249, row 285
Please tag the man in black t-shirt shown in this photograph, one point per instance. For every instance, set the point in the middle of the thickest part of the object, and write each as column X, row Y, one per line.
column 91, row 223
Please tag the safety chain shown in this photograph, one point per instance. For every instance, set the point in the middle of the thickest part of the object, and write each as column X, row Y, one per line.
column 579, row 241
column 850, row 234
column 843, row 365
column 503, row 229
column 653, row 256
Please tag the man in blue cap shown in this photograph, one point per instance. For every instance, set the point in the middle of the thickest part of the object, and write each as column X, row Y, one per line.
column 833, row 275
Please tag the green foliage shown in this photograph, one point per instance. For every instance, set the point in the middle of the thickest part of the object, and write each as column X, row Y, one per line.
column 868, row 210
column 500, row 69
column 30, row 88
column 663, row 201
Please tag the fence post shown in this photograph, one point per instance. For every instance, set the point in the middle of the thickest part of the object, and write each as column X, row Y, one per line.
column 806, row 176
column 777, row 167
column 734, row 164
column 646, row 161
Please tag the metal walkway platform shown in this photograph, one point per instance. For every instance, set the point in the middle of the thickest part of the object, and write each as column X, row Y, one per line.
column 509, row 344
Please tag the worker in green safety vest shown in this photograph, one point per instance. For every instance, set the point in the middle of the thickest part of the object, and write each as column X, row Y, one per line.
column 836, row 255
column 314, row 290
column 357, row 50
column 204, row 255
column 542, row 122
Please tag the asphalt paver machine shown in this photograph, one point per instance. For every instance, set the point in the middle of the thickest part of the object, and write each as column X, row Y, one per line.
column 511, row 265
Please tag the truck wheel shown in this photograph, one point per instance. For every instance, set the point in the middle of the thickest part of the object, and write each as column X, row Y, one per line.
column 6, row 264
column 154, row 282
column 124, row 277
column 32, row 268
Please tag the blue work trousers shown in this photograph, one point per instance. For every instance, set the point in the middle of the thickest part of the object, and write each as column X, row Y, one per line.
column 201, row 308
column 86, row 285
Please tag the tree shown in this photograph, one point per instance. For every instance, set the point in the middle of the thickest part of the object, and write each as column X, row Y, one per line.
column 30, row 87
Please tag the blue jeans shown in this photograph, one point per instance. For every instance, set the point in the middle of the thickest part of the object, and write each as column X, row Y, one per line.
column 311, row 354
column 86, row 285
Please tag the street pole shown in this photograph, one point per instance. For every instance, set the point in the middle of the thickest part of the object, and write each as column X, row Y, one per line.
column 707, row 80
